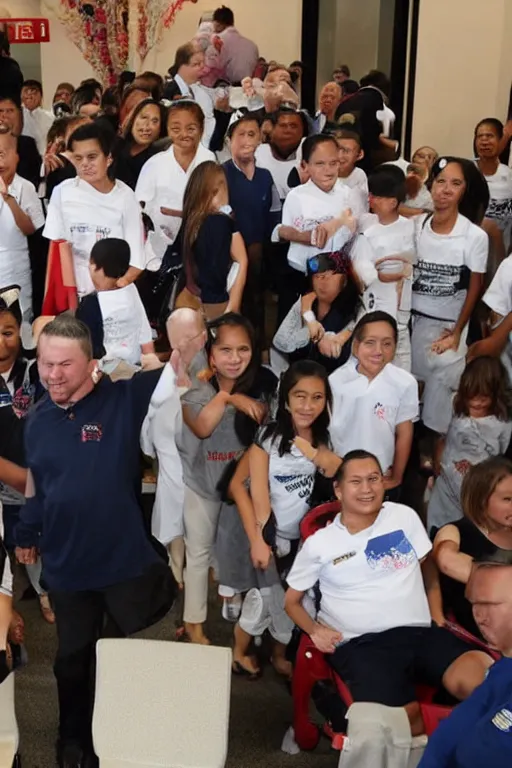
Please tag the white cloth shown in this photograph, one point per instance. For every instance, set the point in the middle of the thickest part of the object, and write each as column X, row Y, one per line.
column 162, row 183
column 238, row 56
column 162, row 424
column 366, row 412
column 37, row 124
column 369, row 581
column 291, row 478
column 500, row 204
column 263, row 609
column 308, row 206
column 14, row 256
column 125, row 324
column 385, row 241
column 422, row 201
column 279, row 169
column 202, row 96
column 498, row 297
column 437, row 290
column 357, row 181
column 81, row 215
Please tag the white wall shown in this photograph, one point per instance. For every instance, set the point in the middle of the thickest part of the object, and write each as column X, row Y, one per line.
column 464, row 70
column 357, row 35
column 274, row 25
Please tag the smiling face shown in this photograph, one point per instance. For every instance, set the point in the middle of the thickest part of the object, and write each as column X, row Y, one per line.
column 306, row 401
column 64, row 368
column 487, row 141
column 376, row 348
column 10, row 116
column 31, row 97
column 361, row 489
column 448, row 188
column 10, row 341
column 323, row 165
column 231, row 354
column 90, row 161
column 184, row 129
column 349, row 151
column 146, row 126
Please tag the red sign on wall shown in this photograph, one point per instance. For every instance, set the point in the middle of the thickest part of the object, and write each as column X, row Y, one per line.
column 27, row 30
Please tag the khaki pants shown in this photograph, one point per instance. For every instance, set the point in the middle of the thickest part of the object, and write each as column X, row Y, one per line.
column 200, row 519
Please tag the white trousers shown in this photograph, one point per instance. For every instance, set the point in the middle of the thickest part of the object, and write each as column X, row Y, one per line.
column 200, row 519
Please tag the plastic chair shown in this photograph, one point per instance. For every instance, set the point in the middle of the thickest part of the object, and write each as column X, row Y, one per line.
column 9, row 736
column 311, row 665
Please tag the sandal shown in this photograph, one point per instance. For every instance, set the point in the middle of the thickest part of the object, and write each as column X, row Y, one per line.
column 46, row 609
column 241, row 671
column 16, row 632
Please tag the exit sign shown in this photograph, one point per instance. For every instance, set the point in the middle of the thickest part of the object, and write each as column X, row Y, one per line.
column 27, row 30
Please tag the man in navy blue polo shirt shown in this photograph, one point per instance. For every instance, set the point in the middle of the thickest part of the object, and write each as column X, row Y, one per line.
column 102, row 570
column 256, row 205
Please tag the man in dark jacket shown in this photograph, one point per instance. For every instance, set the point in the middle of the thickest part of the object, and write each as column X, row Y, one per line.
column 11, row 76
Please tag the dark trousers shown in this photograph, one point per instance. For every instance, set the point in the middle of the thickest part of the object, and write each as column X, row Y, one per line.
column 82, row 618
column 253, row 304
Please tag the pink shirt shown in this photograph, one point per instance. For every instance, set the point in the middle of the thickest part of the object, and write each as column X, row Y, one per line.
column 238, row 56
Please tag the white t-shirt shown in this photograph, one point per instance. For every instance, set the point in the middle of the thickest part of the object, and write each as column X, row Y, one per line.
column 37, row 124
column 357, row 181
column 383, row 241
column 498, row 297
column 366, row 412
column 291, row 479
column 500, row 204
column 81, row 215
column 439, row 289
column 308, row 206
column 422, row 201
column 370, row 581
column 14, row 258
column 125, row 324
column 279, row 169
column 162, row 183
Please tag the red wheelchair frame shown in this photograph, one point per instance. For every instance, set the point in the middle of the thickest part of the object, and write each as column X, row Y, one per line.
column 311, row 666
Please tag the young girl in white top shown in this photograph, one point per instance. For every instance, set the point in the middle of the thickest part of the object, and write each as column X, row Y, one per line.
column 21, row 215
column 447, row 283
column 488, row 135
column 374, row 402
column 480, row 428
column 92, row 207
column 163, row 179
column 281, row 469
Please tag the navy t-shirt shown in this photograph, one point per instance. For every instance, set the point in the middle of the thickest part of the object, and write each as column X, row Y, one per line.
column 86, row 516
column 212, row 257
column 251, row 200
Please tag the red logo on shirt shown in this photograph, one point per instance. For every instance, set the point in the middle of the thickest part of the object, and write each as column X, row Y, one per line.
column 92, row 433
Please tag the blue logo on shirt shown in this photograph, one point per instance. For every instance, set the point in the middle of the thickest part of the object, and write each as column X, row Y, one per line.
column 390, row 552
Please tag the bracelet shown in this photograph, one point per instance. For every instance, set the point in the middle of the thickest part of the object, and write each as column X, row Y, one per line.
column 309, row 316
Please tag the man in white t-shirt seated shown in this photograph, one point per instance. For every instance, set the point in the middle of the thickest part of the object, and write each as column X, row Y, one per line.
column 116, row 317
column 373, row 572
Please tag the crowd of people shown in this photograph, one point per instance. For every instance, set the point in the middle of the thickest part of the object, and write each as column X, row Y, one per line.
column 268, row 309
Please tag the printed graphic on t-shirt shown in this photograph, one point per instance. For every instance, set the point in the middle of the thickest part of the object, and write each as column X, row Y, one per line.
column 499, row 209
column 432, row 279
column 92, row 433
column 304, row 224
column 292, row 483
column 390, row 552
column 81, row 237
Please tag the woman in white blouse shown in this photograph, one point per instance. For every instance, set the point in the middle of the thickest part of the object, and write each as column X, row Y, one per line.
column 92, row 207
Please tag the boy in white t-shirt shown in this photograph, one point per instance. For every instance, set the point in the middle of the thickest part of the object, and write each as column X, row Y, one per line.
column 350, row 153
column 116, row 317
column 374, row 621
column 388, row 242
column 375, row 403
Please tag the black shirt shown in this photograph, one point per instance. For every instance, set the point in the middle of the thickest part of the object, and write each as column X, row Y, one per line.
column 11, row 78
column 56, row 177
column 127, row 167
column 212, row 257
column 29, row 166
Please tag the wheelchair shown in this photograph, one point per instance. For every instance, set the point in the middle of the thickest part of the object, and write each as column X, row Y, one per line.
column 311, row 667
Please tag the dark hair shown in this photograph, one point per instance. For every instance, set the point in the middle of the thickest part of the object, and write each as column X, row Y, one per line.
column 186, row 105
column 374, row 317
column 125, row 78
column 479, row 484
column 13, row 308
column 65, row 86
column 312, row 142
column 154, row 81
column 84, row 94
column 5, row 46
column 496, row 124
column 475, row 199
column 132, row 89
column 93, row 83
column 344, row 69
column 286, row 112
column 349, row 87
column 235, row 320
column 93, row 132
column 484, row 376
column 357, row 455
column 224, row 15
column 14, row 98
column 385, row 182
column 110, row 99
column 182, row 56
column 67, row 326
column 378, row 79
column 33, row 84
column 127, row 133
column 247, row 117
column 112, row 255
column 340, row 132
column 282, row 430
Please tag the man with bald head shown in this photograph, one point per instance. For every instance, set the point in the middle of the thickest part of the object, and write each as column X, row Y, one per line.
column 328, row 102
column 479, row 732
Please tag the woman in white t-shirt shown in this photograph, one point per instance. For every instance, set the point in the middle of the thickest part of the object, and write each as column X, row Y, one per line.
column 488, row 138
column 281, row 469
column 163, row 179
column 92, row 207
column 447, row 283
column 21, row 214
